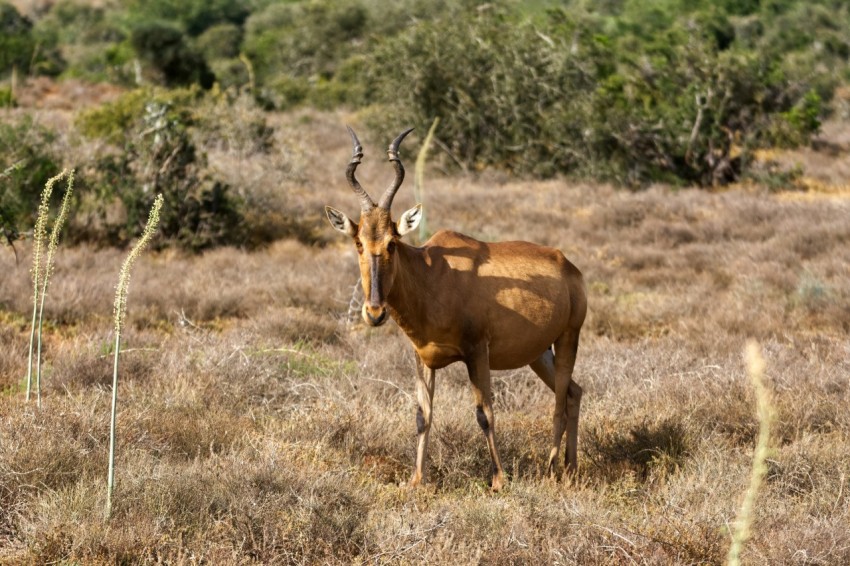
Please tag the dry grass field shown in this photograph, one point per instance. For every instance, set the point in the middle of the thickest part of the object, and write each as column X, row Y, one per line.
column 257, row 425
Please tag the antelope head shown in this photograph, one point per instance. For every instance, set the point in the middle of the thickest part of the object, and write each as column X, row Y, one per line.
column 376, row 236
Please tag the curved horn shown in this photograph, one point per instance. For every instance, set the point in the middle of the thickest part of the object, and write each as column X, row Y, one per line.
column 392, row 153
column 366, row 202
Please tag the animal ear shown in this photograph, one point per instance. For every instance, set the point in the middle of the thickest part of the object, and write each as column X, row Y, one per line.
column 341, row 222
column 409, row 220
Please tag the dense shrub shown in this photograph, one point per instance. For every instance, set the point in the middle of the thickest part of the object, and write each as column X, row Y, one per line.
column 21, row 48
column 221, row 41
column 156, row 154
column 682, row 115
column 72, row 22
column 631, row 99
column 309, row 38
column 230, row 120
column 92, row 39
column 193, row 16
column 111, row 121
column 164, row 48
column 16, row 41
column 27, row 161
column 7, row 98
column 495, row 86
column 104, row 42
column 297, row 46
column 632, row 91
column 220, row 46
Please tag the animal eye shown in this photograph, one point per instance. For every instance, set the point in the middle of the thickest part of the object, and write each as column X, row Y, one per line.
column 391, row 247
column 359, row 245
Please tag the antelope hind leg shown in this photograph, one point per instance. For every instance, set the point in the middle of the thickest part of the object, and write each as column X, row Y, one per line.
column 556, row 370
column 565, row 360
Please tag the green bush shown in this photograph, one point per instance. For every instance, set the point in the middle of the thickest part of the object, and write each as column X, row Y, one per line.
column 230, row 120
column 682, row 118
column 164, row 48
column 17, row 44
column 24, row 47
column 192, row 16
column 7, row 98
column 112, row 120
column 157, row 153
column 92, row 40
column 626, row 90
column 178, row 41
column 507, row 92
column 27, row 161
column 231, row 73
column 296, row 46
column 221, row 41
column 494, row 83
column 72, row 22
column 794, row 127
column 661, row 99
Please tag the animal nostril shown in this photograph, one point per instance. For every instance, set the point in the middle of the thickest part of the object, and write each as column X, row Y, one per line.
column 376, row 320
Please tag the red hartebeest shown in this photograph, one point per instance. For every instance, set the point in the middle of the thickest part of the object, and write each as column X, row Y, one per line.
column 499, row 305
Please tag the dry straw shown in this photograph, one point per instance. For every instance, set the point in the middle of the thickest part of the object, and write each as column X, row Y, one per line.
column 119, row 314
column 39, row 236
column 741, row 529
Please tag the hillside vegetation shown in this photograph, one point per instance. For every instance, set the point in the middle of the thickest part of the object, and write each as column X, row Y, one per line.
column 686, row 92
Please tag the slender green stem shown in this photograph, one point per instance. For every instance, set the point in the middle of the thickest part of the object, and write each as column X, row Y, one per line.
column 110, row 481
column 32, row 344
column 38, row 355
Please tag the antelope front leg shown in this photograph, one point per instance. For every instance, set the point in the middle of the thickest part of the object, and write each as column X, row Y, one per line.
column 424, row 398
column 478, row 366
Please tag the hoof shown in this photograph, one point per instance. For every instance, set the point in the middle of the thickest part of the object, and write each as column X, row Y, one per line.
column 497, row 483
column 415, row 481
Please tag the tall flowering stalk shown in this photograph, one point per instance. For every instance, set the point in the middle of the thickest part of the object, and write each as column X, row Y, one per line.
column 119, row 313
column 766, row 416
column 39, row 235
column 48, row 269
column 419, row 178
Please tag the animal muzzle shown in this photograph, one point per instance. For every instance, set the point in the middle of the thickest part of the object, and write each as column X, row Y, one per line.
column 374, row 315
column 374, row 309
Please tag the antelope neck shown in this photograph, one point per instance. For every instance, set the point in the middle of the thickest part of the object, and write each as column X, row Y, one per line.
column 408, row 296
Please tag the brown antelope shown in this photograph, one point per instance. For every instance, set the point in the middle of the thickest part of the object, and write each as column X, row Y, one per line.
column 500, row 305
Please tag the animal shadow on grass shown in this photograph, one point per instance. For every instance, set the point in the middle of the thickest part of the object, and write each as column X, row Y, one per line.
column 643, row 451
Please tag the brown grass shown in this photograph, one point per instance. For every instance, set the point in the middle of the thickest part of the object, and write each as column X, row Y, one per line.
column 258, row 427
